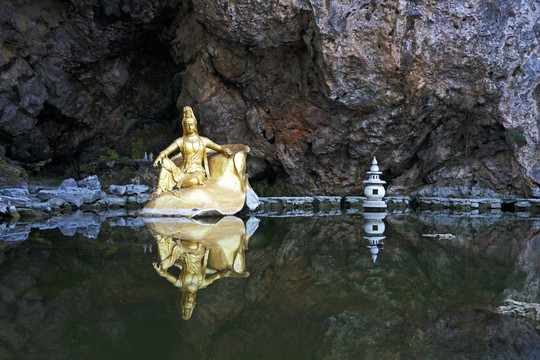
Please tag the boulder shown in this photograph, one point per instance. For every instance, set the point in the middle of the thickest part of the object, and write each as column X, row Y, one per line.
column 4, row 209
column 86, row 191
column 30, row 213
column 91, row 183
column 45, row 194
column 14, row 233
column 18, row 197
column 85, row 223
column 90, row 196
column 117, row 189
column 73, row 198
column 115, row 201
column 68, row 185
column 136, row 189
column 143, row 198
column 126, row 221
column 41, row 206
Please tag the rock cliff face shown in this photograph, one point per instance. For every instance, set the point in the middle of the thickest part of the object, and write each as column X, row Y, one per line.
column 446, row 94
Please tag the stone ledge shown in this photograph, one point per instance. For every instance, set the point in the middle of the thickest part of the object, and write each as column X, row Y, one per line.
column 86, row 195
column 325, row 203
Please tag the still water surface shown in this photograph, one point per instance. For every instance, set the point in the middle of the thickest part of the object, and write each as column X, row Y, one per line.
column 334, row 287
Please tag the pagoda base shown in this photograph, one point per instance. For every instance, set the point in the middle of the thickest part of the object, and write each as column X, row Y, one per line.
column 376, row 204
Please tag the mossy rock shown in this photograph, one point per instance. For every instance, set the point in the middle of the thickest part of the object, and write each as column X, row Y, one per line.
column 29, row 213
column 424, row 206
column 484, row 207
column 437, row 206
column 12, row 176
column 463, row 207
column 306, row 206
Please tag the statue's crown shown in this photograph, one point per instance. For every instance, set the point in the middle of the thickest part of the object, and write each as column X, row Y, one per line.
column 188, row 112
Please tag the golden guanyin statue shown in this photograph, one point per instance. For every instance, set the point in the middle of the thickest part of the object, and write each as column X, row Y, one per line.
column 204, row 178
column 202, row 252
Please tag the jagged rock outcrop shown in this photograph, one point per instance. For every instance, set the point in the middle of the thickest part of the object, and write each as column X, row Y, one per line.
column 445, row 93
column 76, row 76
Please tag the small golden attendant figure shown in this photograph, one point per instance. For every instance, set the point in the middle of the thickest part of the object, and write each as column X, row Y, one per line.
column 194, row 169
column 203, row 179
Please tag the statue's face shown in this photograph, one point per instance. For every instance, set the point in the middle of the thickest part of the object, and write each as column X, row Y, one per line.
column 188, row 303
column 190, row 126
column 186, row 313
column 189, row 300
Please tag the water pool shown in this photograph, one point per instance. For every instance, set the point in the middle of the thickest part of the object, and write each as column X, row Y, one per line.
column 317, row 289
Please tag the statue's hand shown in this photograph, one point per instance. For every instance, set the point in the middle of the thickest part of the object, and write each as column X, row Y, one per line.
column 158, row 161
column 227, row 151
column 158, row 268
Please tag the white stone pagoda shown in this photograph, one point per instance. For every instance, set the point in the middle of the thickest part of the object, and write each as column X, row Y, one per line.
column 374, row 190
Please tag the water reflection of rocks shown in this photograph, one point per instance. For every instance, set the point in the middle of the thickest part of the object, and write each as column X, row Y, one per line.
column 86, row 223
column 203, row 252
column 313, row 292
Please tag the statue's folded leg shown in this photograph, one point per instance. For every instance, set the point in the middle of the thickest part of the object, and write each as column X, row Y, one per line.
column 167, row 252
column 169, row 175
column 192, row 179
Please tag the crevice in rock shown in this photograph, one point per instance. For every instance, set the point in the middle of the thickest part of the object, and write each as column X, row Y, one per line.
column 536, row 97
column 508, row 206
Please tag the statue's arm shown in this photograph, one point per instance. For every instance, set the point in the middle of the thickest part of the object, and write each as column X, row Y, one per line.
column 212, row 145
column 210, row 279
column 171, row 278
column 224, row 273
column 163, row 273
column 162, row 155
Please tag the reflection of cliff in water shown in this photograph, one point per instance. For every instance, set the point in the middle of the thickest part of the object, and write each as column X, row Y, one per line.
column 203, row 252
column 425, row 298
column 313, row 292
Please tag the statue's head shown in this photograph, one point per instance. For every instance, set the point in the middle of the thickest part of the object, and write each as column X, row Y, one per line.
column 189, row 122
column 187, row 304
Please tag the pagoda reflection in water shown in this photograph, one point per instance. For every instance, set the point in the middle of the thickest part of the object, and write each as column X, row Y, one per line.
column 374, row 229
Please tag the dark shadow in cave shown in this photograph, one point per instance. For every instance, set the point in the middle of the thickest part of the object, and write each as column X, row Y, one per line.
column 147, row 102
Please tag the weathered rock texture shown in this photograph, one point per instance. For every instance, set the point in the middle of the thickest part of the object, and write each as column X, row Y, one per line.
column 444, row 93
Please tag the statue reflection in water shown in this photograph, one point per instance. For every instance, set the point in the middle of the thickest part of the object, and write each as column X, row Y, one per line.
column 204, row 252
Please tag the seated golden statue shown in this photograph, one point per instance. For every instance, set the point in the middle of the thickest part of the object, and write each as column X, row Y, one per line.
column 204, row 178
column 204, row 253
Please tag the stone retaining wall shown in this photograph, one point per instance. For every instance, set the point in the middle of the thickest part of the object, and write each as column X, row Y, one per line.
column 87, row 195
column 326, row 203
